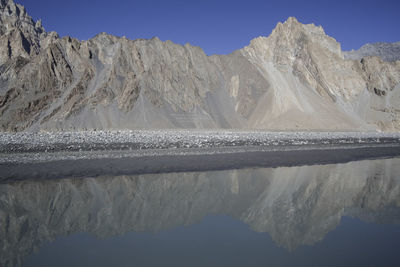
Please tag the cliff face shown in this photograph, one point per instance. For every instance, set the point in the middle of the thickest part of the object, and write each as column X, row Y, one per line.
column 297, row 78
column 294, row 205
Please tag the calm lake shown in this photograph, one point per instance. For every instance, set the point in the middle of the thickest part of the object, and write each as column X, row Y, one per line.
column 345, row 214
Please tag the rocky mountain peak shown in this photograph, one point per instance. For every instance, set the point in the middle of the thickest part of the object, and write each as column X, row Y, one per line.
column 292, row 26
column 292, row 20
column 13, row 16
column 289, row 26
column 20, row 34
column 290, row 41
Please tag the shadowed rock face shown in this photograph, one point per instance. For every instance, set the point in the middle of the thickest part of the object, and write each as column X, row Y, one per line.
column 297, row 78
column 294, row 205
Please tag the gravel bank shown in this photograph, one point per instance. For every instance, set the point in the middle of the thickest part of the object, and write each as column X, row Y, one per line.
column 171, row 139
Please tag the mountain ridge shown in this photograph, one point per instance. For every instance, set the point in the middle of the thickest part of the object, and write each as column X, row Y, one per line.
column 386, row 51
column 297, row 78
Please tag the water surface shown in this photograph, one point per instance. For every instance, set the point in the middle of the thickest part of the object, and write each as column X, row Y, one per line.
column 343, row 214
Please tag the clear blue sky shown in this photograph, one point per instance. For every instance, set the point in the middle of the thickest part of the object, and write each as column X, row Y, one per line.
column 219, row 27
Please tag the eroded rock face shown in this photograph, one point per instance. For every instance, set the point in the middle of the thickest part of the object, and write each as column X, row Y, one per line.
column 294, row 205
column 297, row 78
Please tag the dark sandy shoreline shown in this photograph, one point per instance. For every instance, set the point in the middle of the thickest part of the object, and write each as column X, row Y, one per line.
column 51, row 155
column 97, row 163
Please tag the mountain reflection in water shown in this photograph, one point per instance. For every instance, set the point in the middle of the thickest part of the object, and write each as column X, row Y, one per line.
column 295, row 206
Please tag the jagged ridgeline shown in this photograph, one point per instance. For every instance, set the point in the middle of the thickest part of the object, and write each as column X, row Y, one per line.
column 297, row 78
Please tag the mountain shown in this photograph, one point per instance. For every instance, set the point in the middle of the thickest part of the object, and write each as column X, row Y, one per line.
column 294, row 205
column 387, row 51
column 296, row 78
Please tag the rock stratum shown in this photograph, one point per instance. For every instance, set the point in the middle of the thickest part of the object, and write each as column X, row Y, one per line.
column 296, row 78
